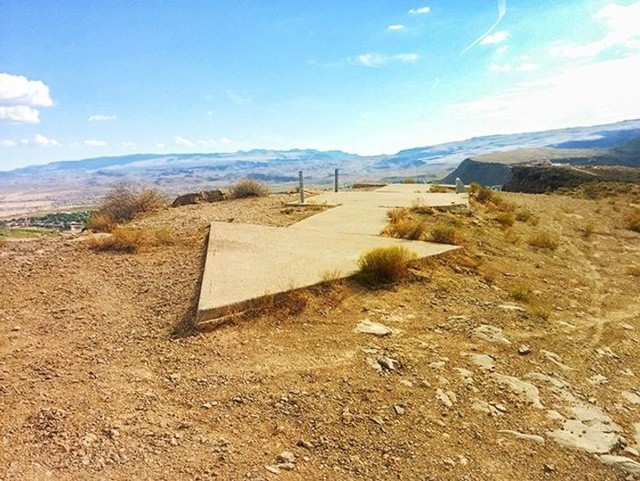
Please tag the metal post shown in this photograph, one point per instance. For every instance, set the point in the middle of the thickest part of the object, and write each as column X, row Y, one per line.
column 301, row 187
column 335, row 185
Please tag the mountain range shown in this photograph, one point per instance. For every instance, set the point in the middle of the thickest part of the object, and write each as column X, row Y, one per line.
column 83, row 181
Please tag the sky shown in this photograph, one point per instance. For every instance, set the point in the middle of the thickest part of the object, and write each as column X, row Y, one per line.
column 115, row 77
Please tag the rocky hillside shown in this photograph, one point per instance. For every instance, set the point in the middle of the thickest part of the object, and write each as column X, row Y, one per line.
column 540, row 179
column 485, row 173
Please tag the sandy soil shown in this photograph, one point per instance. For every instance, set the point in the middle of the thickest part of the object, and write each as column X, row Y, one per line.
column 101, row 377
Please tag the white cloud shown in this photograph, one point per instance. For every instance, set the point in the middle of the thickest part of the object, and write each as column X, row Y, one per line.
column 128, row 144
column 19, row 114
column 380, row 59
column 586, row 95
column 395, row 27
column 406, row 57
column 214, row 142
column 621, row 23
column 160, row 145
column 495, row 38
column 502, row 50
column 19, row 98
column 8, row 143
column 182, row 142
column 419, row 11
column 95, row 143
column 42, row 141
column 210, row 113
column 100, row 118
column 225, row 140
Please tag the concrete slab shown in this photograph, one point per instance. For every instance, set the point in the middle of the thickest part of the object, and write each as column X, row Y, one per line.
column 248, row 262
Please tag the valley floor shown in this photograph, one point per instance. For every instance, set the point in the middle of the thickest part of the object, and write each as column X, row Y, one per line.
column 495, row 349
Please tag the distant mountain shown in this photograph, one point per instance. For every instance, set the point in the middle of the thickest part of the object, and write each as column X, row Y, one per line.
column 72, row 183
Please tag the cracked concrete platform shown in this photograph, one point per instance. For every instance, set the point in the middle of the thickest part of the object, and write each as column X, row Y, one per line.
column 246, row 263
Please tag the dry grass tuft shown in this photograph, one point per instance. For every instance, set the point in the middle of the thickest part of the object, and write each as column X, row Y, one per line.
column 543, row 240
column 438, row 189
column 100, row 222
column 524, row 215
column 521, row 293
column 123, row 203
column 445, row 234
column 249, row 188
column 397, row 214
column 418, row 207
column 505, row 219
column 385, row 265
column 132, row 240
column 409, row 181
column 633, row 221
column 331, row 275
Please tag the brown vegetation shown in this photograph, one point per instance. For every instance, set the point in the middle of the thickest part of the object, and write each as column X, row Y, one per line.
column 384, row 265
column 249, row 188
column 128, row 239
column 122, row 204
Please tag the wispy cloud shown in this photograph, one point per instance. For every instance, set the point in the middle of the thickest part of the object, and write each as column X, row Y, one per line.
column 527, row 67
column 237, row 98
column 42, row 141
column 8, row 143
column 502, row 11
column 500, row 68
column 380, row 59
column 419, row 11
column 395, row 27
column 182, row 142
column 100, row 118
column 20, row 98
column 621, row 23
column 128, row 144
column 495, row 38
column 95, row 143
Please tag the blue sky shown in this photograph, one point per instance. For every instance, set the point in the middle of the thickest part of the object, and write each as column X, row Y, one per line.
column 113, row 77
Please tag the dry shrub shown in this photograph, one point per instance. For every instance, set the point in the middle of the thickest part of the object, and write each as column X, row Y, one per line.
column 249, row 188
column 445, row 234
column 543, row 240
column 523, row 214
column 128, row 239
column 123, row 203
column 99, row 222
column 330, row 275
column 412, row 229
column 474, row 188
column 541, row 311
column 418, row 207
column 505, row 219
column 409, row 181
column 521, row 293
column 482, row 194
column 587, row 230
column 438, row 189
column 397, row 214
column 385, row 265
column 488, row 273
column 633, row 271
column 3, row 241
column 633, row 221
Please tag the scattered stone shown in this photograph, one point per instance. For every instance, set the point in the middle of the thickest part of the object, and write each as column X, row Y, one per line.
column 437, row 364
column 484, row 361
column 518, row 386
column 15, row 328
column 621, row 462
column 444, row 398
column 207, row 405
column 286, row 466
column 272, row 469
column 485, row 407
column 598, row 379
column 286, row 457
column 577, row 435
column 632, row 451
column 549, row 468
column 632, row 397
column 491, row 334
column 406, row 382
column 304, row 444
column 607, row 352
column 500, row 407
column 557, row 360
column 387, row 363
column 509, row 307
column 399, row 410
column 529, row 437
column 378, row 420
column 524, row 350
column 369, row 327
column 637, row 436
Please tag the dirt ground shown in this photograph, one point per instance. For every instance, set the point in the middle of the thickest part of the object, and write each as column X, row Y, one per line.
column 101, row 377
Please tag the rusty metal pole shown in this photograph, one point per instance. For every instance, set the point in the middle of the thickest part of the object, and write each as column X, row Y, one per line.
column 335, row 184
